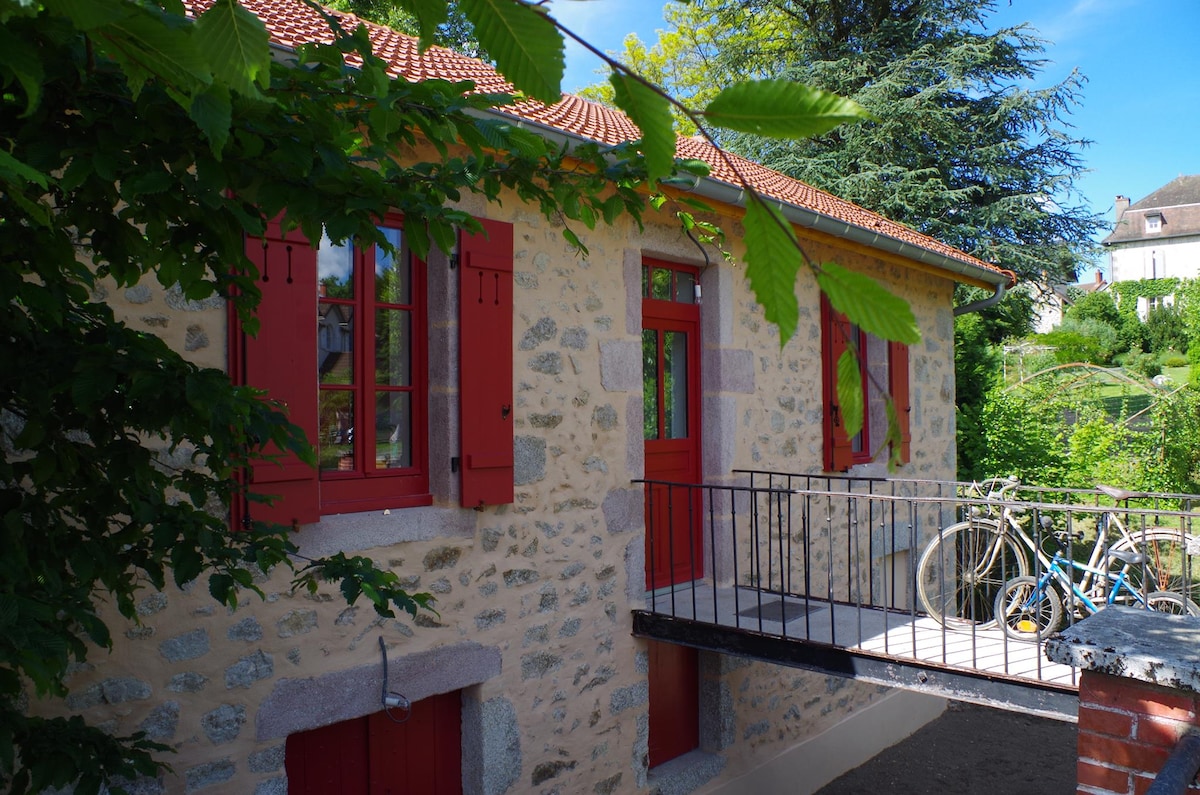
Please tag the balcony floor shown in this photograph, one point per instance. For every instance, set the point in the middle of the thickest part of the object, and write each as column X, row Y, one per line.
column 961, row 661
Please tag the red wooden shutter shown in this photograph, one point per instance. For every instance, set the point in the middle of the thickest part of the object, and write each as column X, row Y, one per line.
column 898, row 386
column 485, row 382
column 283, row 360
column 835, row 330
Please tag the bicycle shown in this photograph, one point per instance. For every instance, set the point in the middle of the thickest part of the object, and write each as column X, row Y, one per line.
column 1029, row 608
column 962, row 570
column 966, row 564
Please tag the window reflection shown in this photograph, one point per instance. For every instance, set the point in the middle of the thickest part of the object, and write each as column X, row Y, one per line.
column 649, row 384
column 675, row 377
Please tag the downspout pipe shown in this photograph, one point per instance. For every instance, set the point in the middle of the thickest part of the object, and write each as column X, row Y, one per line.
column 983, row 303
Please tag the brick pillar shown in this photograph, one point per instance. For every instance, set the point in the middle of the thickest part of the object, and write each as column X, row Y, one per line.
column 1139, row 692
column 1127, row 729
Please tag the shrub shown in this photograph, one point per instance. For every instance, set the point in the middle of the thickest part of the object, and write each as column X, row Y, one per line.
column 1092, row 341
column 1145, row 364
column 1173, row 359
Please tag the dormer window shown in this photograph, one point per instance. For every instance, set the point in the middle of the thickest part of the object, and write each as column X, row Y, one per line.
column 1154, row 222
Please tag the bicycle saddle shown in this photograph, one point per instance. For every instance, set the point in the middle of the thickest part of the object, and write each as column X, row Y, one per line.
column 1129, row 556
column 1120, row 494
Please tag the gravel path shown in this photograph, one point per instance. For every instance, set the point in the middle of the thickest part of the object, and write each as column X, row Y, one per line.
column 972, row 749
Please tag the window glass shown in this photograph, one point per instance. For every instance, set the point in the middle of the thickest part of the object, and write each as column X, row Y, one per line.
column 335, row 446
column 649, row 384
column 675, row 378
column 335, row 270
column 365, row 357
column 393, row 430
column 392, row 271
column 685, row 287
column 660, row 284
column 335, row 343
column 393, row 347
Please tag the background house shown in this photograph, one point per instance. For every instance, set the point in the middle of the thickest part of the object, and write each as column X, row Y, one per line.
column 1157, row 237
column 479, row 423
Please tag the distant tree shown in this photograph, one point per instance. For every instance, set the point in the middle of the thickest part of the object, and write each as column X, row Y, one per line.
column 1166, row 330
column 1095, row 306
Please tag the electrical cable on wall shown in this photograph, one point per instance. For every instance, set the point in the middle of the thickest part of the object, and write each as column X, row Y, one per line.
column 389, row 699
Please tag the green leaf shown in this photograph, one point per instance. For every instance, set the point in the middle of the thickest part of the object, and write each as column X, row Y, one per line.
column 213, row 113
column 651, row 112
column 895, row 439
column 429, row 15
column 850, row 392
column 237, row 46
column 868, row 305
column 526, row 46
column 145, row 47
column 13, row 170
column 88, row 14
column 26, row 65
column 781, row 109
column 772, row 261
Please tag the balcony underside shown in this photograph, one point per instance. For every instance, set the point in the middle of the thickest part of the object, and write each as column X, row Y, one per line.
column 888, row 647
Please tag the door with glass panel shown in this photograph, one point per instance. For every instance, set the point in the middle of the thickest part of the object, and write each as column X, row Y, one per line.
column 671, row 421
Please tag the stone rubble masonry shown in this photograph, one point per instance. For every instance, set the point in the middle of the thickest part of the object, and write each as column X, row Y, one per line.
column 533, row 599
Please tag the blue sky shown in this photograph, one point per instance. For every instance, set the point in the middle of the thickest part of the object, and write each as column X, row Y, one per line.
column 1140, row 105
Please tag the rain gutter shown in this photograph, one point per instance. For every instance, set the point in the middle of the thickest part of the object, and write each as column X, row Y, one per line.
column 718, row 190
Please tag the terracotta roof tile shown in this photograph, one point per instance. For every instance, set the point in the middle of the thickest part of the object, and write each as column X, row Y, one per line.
column 291, row 23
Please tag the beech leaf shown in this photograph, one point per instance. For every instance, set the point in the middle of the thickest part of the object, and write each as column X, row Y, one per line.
column 868, row 305
column 781, row 109
column 772, row 261
column 526, row 46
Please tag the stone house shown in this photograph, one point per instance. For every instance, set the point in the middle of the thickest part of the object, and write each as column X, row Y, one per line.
column 518, row 392
column 1157, row 237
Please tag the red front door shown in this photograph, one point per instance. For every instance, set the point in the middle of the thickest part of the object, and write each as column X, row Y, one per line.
column 671, row 402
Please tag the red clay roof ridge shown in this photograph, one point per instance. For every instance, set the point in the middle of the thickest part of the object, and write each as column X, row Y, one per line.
column 291, row 22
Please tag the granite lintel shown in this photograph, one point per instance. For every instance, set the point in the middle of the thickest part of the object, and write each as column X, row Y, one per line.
column 1145, row 645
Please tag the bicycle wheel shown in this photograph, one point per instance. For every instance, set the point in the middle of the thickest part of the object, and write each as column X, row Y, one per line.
column 962, row 569
column 1027, row 612
column 1173, row 603
column 1171, row 562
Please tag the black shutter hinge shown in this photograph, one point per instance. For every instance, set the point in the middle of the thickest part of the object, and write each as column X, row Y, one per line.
column 453, row 260
column 454, row 463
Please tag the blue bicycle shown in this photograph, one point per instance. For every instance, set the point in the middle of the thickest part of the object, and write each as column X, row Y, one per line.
column 1030, row 608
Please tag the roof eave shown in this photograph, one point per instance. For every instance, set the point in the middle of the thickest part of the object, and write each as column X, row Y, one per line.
column 801, row 216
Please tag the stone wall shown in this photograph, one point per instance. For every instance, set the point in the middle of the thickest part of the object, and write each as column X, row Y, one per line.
column 533, row 598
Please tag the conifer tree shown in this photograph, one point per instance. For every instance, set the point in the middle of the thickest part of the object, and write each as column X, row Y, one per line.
column 963, row 146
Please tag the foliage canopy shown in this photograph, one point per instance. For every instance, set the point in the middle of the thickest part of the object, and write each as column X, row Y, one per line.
column 135, row 143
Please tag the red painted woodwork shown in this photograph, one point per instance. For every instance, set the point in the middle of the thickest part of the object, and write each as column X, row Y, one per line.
column 835, row 333
column 374, row 755
column 486, row 365
column 898, row 386
column 365, row 486
column 282, row 360
column 674, row 701
column 674, row 547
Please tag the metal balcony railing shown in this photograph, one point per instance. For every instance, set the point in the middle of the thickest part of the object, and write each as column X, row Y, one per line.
column 911, row 570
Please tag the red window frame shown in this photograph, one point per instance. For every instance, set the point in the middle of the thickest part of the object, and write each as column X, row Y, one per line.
column 361, row 483
column 838, row 334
